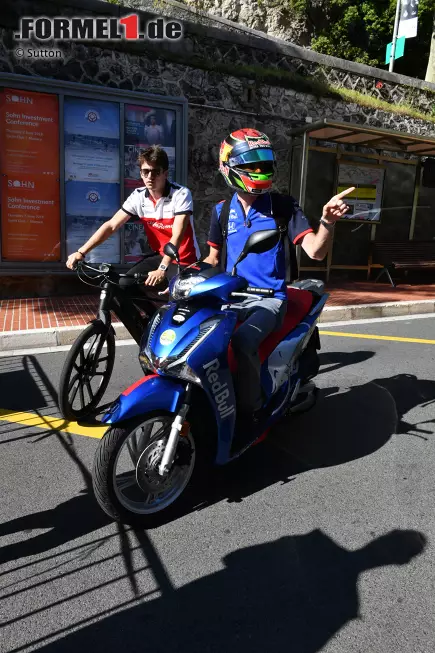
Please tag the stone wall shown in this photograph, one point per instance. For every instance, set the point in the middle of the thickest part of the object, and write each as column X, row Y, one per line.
column 212, row 68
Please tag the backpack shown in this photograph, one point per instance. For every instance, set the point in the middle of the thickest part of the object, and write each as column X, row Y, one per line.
column 282, row 216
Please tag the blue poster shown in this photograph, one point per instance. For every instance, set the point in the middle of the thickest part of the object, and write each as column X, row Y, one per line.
column 92, row 174
column 80, row 228
column 91, row 133
column 92, row 199
column 91, row 118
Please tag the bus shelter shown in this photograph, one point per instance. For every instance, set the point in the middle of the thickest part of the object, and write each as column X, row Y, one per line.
column 394, row 177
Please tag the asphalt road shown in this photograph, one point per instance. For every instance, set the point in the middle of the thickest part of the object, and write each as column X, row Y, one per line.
column 320, row 539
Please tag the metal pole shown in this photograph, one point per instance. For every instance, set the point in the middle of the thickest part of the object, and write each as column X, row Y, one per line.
column 396, row 29
column 303, row 184
column 417, row 185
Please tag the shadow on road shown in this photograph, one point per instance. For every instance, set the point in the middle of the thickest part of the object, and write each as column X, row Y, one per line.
column 331, row 361
column 71, row 519
column 408, row 392
column 293, row 594
column 344, row 425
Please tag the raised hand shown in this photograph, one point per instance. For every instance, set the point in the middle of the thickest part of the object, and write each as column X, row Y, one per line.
column 336, row 208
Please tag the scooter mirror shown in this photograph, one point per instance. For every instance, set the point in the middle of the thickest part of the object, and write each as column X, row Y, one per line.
column 257, row 243
column 170, row 250
column 261, row 241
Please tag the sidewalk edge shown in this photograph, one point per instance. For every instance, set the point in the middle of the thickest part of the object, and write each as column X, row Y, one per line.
column 61, row 336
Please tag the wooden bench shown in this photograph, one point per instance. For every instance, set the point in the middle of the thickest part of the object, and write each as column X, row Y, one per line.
column 407, row 255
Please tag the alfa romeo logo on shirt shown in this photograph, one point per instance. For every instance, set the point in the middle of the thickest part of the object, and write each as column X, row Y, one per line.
column 92, row 115
column 93, row 196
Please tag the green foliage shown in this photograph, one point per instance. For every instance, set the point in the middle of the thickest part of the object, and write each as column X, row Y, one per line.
column 360, row 30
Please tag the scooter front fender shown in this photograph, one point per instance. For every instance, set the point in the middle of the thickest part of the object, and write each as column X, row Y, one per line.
column 150, row 393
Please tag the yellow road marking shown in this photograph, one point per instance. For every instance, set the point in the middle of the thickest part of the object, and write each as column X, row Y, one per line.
column 420, row 341
column 49, row 422
column 58, row 424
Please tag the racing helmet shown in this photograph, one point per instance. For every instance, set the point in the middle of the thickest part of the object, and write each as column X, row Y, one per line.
column 247, row 161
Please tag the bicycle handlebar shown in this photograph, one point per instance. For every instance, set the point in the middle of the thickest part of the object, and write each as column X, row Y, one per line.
column 103, row 270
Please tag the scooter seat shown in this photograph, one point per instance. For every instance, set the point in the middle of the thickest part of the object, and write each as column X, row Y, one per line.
column 299, row 303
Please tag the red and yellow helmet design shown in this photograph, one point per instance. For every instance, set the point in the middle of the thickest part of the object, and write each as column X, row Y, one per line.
column 247, row 161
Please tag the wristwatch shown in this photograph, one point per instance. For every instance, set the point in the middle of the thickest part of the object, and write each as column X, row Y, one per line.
column 163, row 267
column 328, row 225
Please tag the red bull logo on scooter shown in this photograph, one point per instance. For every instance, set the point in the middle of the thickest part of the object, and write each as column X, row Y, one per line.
column 220, row 390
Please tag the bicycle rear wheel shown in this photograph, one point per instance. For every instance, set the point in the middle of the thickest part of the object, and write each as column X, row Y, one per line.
column 86, row 372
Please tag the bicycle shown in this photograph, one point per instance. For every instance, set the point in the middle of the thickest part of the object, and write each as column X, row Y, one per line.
column 86, row 372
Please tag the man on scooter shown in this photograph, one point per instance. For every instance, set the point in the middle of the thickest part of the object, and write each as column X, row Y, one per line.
column 247, row 163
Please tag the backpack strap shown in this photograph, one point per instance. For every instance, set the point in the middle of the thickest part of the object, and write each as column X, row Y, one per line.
column 223, row 221
column 280, row 213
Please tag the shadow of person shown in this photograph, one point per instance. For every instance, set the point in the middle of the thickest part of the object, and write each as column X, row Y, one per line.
column 68, row 521
column 339, row 429
column 341, row 426
column 408, row 392
column 334, row 360
column 21, row 390
column 293, row 594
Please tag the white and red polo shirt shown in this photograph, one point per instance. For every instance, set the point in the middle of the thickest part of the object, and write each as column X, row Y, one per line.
column 158, row 218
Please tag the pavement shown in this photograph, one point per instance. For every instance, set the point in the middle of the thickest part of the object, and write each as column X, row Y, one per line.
column 321, row 539
column 53, row 322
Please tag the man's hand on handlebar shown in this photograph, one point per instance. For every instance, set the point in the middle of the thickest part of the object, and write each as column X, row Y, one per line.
column 154, row 277
column 73, row 259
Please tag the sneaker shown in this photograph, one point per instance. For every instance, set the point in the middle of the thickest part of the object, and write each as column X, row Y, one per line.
column 305, row 399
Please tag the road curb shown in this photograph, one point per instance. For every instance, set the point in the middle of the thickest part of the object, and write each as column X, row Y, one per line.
column 367, row 311
column 53, row 337
column 61, row 336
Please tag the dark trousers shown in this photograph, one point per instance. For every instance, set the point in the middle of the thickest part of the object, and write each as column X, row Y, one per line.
column 151, row 262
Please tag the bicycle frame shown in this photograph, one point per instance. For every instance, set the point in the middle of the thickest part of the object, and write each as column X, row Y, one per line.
column 114, row 299
column 126, row 301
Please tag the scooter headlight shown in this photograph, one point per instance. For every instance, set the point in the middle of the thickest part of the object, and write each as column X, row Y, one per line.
column 177, row 365
column 183, row 286
column 147, row 359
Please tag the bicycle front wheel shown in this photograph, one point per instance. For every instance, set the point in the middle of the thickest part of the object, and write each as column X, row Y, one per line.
column 86, row 372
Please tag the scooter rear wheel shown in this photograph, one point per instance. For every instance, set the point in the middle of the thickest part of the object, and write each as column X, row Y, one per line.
column 84, row 377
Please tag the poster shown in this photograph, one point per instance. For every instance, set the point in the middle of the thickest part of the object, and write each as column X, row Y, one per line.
column 29, row 164
column 144, row 126
column 30, row 218
column 80, row 228
column 88, row 205
column 91, row 140
column 135, row 242
column 149, row 126
column 366, row 200
column 92, row 174
column 29, row 132
column 88, row 198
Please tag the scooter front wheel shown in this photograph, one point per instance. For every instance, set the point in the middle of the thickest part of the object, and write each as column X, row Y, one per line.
column 86, row 372
column 126, row 479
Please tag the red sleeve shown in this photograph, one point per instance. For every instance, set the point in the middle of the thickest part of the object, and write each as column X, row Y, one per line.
column 300, row 236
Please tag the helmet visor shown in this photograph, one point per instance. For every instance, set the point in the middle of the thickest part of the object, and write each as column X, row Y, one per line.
column 252, row 156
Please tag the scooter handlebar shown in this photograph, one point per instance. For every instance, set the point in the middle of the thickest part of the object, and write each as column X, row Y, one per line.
column 268, row 292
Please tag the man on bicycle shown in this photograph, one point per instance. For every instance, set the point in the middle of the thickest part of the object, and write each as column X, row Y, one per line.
column 164, row 209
